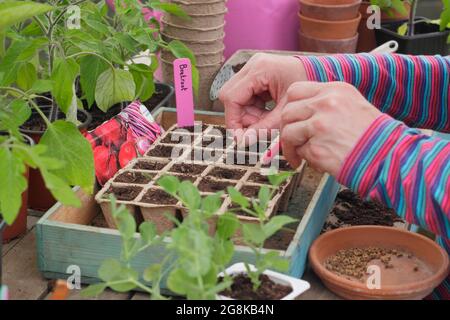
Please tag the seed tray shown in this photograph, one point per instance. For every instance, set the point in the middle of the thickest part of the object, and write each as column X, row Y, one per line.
column 210, row 169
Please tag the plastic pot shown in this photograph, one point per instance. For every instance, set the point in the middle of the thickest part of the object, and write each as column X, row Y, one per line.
column 19, row 226
column 40, row 198
column 308, row 44
column 367, row 41
column 428, row 40
column 298, row 286
column 329, row 30
column 332, row 10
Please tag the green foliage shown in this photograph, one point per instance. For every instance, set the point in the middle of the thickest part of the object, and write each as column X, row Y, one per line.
column 13, row 12
column 391, row 6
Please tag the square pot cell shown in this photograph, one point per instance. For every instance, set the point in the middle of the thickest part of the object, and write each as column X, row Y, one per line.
column 218, row 131
column 196, row 129
column 241, row 159
column 149, row 165
column 262, row 179
column 215, row 142
column 226, row 173
column 205, row 155
column 185, row 177
column 125, row 193
column 175, row 138
column 210, row 185
column 236, row 209
column 258, row 147
column 135, row 177
column 188, row 168
column 163, row 151
column 250, row 191
column 158, row 197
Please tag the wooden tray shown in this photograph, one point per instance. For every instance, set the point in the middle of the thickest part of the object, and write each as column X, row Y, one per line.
column 65, row 236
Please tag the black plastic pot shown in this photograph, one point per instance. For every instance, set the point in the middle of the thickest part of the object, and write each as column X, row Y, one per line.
column 427, row 40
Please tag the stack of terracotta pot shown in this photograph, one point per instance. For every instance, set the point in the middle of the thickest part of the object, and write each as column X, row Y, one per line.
column 329, row 26
column 203, row 33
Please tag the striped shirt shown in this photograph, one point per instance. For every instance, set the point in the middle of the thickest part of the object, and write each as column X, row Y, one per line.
column 393, row 163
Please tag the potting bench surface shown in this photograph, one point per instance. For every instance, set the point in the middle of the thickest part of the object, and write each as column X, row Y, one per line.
column 25, row 282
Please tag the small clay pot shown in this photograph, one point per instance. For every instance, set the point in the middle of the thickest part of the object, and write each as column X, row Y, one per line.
column 329, row 30
column 332, row 10
column 428, row 251
column 308, row 44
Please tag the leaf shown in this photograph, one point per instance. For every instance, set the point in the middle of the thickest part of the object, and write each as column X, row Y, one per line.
column 264, row 197
column 237, row 197
column 64, row 74
column 253, row 233
column 211, row 204
column 180, row 50
column 227, row 226
column 179, row 282
column 127, row 280
column 41, row 86
column 143, row 79
column 109, row 270
column 90, row 69
column 170, row 184
column 190, row 195
column 65, row 143
column 445, row 15
column 114, row 86
column 273, row 260
column 94, row 290
column 278, row 179
column 14, row 115
column 275, row 224
column 148, row 232
column 12, row 184
column 125, row 221
column 13, row 12
column 171, row 8
column 403, row 29
column 152, row 272
column 26, row 76
column 399, row 6
column 60, row 189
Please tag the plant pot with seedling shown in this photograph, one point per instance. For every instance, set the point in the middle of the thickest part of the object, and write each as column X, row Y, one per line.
column 390, row 11
column 417, row 35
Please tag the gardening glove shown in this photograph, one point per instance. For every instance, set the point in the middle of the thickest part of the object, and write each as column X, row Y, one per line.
column 264, row 78
column 322, row 123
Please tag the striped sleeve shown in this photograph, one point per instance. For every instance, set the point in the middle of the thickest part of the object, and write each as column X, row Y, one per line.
column 413, row 89
column 406, row 170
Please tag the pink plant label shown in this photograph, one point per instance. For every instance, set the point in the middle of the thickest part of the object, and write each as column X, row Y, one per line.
column 182, row 71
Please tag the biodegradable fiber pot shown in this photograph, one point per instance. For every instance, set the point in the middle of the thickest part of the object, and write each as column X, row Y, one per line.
column 40, row 197
column 327, row 46
column 331, row 10
column 298, row 286
column 329, row 30
column 426, row 250
column 201, row 7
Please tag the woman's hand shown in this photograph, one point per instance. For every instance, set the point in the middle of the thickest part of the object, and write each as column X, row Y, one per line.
column 322, row 123
column 264, row 78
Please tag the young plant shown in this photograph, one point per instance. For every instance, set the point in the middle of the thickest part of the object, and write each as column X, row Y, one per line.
column 391, row 6
column 255, row 235
column 119, row 274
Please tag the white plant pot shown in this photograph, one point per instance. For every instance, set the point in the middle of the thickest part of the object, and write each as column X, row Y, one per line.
column 298, row 286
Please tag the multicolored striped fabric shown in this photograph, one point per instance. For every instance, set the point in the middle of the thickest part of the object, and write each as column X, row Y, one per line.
column 398, row 165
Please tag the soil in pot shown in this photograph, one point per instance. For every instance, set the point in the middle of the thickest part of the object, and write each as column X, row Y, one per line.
column 161, row 151
column 185, row 139
column 149, row 165
column 351, row 209
column 250, row 191
column 187, row 168
column 259, row 178
column 242, row 289
column 185, row 177
column 282, row 165
column 192, row 129
column 216, row 142
column 241, row 159
column 210, row 185
column 127, row 193
column 396, row 266
column 134, row 177
column 160, row 197
column 224, row 173
column 238, row 67
column 161, row 92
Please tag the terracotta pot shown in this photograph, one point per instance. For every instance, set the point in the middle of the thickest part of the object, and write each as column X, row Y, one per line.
column 40, row 198
column 327, row 30
column 332, row 10
column 308, row 44
column 428, row 251
column 367, row 41
column 19, row 226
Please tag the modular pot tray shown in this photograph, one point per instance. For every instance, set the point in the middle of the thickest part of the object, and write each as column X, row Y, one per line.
column 206, row 158
column 68, row 236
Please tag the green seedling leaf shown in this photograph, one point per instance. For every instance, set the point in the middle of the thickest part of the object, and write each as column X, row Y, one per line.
column 91, row 67
column 109, row 270
column 275, row 224
column 179, row 282
column 12, row 184
column 273, row 260
column 148, row 232
column 238, row 198
column 125, row 222
column 143, row 79
column 94, row 290
column 277, row 179
column 13, row 12
column 14, row 115
column 114, row 86
column 26, row 76
column 64, row 142
column 152, row 273
column 224, row 251
column 399, row 6
column 211, row 204
column 64, row 74
column 180, row 50
column 125, row 281
column 253, row 233
column 59, row 188
column 403, row 29
column 171, row 8
column 170, row 184
column 41, row 86
column 264, row 197
column 190, row 195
